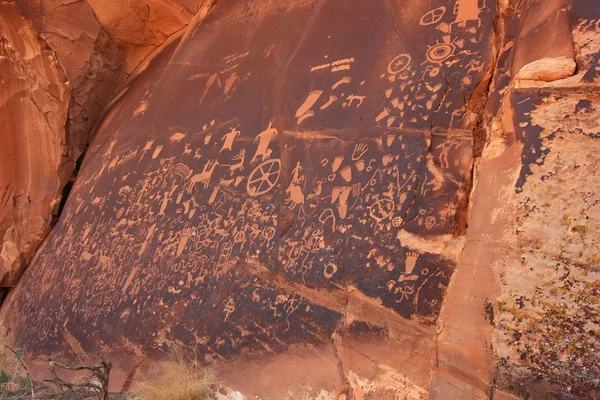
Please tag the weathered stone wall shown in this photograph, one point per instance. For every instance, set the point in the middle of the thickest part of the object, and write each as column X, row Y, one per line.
column 325, row 201
column 34, row 162
column 287, row 182
column 82, row 42
column 522, row 310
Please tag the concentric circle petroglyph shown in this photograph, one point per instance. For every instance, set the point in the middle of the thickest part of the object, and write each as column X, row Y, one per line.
column 440, row 52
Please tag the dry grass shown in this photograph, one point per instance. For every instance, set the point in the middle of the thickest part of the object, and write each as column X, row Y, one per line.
column 177, row 379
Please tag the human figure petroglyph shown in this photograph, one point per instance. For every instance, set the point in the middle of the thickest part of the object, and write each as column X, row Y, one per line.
column 228, row 139
column 405, row 291
column 468, row 10
column 204, row 176
column 264, row 139
column 294, row 191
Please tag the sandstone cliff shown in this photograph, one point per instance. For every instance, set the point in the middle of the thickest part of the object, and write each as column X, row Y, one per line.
column 75, row 48
column 322, row 200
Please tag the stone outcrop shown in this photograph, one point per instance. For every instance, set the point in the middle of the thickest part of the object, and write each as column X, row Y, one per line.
column 326, row 202
column 83, row 42
column 519, row 315
column 547, row 69
column 140, row 26
column 35, row 162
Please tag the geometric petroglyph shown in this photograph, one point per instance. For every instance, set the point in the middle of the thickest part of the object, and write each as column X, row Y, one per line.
column 264, row 177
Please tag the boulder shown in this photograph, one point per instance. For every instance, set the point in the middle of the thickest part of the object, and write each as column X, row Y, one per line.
column 547, row 69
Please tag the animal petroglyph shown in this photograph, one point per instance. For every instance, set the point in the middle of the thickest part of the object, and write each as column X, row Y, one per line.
column 239, row 165
column 204, row 176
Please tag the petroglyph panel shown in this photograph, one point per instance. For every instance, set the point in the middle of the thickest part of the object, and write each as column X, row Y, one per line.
column 269, row 170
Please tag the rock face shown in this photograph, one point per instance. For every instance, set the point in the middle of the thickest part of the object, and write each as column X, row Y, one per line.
column 69, row 53
column 522, row 310
column 286, row 189
column 34, row 102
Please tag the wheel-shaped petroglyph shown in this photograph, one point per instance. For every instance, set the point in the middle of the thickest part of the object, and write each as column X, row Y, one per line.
column 440, row 52
column 264, row 177
column 433, row 16
column 399, row 63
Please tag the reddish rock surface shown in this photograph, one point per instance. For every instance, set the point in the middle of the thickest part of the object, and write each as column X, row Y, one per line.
column 34, row 162
column 79, row 45
column 290, row 190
